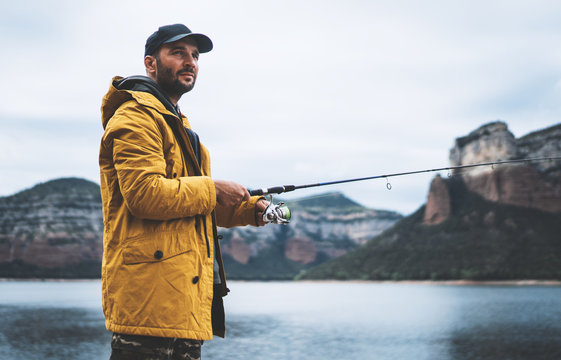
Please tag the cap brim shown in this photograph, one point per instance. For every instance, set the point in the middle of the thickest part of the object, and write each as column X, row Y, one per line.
column 203, row 42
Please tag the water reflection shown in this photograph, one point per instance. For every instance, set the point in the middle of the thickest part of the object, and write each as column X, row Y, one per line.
column 312, row 321
column 504, row 341
column 507, row 323
column 52, row 333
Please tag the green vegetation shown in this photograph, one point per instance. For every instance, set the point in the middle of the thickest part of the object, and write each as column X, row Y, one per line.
column 332, row 201
column 20, row 270
column 481, row 240
column 269, row 265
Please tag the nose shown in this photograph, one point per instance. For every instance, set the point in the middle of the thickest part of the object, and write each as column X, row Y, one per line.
column 190, row 61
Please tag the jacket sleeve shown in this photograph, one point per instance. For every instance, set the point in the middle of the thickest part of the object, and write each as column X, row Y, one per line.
column 139, row 161
column 241, row 215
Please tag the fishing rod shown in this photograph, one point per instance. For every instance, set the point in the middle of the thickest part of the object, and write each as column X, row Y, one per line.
column 287, row 188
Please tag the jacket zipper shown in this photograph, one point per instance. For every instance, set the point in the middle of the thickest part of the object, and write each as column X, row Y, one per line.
column 197, row 167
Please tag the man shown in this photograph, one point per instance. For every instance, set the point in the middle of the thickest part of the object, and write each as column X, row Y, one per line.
column 162, row 273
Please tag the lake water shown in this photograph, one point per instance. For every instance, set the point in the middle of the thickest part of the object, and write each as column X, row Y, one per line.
column 303, row 320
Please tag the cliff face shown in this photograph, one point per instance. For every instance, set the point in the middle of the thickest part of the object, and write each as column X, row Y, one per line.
column 331, row 234
column 485, row 223
column 322, row 227
column 59, row 225
column 52, row 225
column 438, row 206
column 534, row 185
column 480, row 240
column 490, row 142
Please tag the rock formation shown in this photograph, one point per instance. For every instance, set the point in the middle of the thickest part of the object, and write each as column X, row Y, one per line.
column 301, row 250
column 52, row 225
column 490, row 142
column 238, row 249
column 327, row 226
column 534, row 185
column 438, row 207
column 59, row 224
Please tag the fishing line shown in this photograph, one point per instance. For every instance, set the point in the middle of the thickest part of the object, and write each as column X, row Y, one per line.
column 287, row 188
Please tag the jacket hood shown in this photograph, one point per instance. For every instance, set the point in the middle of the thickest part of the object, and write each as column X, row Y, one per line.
column 139, row 88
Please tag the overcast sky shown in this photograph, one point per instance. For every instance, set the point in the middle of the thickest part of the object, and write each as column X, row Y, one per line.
column 294, row 92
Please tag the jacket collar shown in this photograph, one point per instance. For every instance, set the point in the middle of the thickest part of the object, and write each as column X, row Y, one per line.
column 140, row 86
column 143, row 84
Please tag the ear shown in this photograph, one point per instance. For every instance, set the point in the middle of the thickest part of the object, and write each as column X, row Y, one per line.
column 150, row 64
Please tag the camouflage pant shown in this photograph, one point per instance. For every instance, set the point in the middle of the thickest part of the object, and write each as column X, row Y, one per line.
column 136, row 347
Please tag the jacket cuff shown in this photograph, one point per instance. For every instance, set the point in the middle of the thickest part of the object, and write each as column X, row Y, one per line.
column 199, row 193
column 211, row 194
column 252, row 205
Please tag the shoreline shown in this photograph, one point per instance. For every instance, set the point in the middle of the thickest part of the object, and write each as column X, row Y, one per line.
column 45, row 280
column 526, row 282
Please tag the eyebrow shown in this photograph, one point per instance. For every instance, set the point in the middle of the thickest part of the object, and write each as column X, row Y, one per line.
column 179, row 47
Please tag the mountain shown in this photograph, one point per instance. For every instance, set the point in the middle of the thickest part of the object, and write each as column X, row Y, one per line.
column 55, row 230
column 488, row 223
column 52, row 230
column 322, row 227
column 534, row 184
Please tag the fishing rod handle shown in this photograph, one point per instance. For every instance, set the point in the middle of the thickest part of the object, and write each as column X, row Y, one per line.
column 271, row 190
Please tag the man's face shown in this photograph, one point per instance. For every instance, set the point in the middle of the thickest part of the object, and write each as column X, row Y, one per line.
column 177, row 67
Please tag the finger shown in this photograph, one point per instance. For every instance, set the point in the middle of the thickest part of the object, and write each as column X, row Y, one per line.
column 246, row 195
column 260, row 221
column 263, row 205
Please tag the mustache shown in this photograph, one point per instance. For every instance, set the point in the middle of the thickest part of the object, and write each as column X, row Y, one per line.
column 186, row 70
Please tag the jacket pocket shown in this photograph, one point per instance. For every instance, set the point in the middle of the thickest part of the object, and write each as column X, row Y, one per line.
column 153, row 247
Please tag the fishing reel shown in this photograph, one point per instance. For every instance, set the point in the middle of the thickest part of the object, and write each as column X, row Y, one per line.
column 277, row 214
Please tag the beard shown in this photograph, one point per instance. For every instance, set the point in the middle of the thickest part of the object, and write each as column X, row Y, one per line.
column 170, row 82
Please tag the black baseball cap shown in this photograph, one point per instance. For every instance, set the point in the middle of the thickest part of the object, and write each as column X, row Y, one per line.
column 171, row 33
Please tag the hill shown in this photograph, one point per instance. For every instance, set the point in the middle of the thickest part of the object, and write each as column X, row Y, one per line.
column 484, row 224
column 481, row 240
column 322, row 227
column 55, row 230
column 52, row 230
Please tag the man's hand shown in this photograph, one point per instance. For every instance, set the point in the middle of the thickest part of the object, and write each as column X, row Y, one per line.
column 260, row 207
column 229, row 193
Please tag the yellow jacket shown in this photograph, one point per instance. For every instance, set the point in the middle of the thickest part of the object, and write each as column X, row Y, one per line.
column 160, row 217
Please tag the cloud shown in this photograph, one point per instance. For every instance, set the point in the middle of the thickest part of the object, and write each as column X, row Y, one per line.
column 294, row 92
column 37, row 150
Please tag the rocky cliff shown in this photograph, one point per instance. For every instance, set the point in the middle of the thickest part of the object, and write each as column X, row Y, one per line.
column 534, row 185
column 488, row 223
column 52, row 225
column 55, row 229
column 322, row 227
